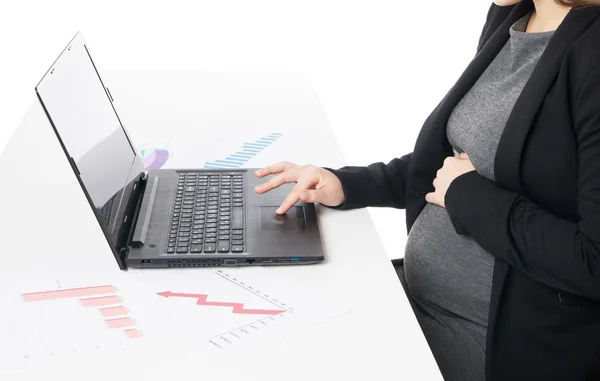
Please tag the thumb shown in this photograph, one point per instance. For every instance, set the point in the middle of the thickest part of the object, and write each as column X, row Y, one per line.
column 310, row 195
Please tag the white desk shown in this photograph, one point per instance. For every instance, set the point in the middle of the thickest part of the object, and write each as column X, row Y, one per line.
column 379, row 340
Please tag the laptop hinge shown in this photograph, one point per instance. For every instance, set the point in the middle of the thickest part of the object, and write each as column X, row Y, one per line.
column 143, row 216
column 133, row 209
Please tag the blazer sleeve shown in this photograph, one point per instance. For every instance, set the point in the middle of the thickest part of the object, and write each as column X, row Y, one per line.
column 378, row 184
column 560, row 253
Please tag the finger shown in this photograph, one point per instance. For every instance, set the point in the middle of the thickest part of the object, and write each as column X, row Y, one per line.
column 430, row 197
column 293, row 197
column 310, row 195
column 275, row 182
column 464, row 155
column 274, row 169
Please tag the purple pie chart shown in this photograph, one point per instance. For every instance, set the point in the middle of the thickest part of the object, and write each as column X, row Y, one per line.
column 155, row 158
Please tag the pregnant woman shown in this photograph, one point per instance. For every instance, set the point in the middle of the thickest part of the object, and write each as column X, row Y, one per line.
column 502, row 199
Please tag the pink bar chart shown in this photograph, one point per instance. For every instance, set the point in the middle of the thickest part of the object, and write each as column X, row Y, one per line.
column 104, row 298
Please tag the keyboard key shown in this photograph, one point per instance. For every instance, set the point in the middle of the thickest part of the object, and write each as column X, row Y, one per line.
column 190, row 189
column 223, row 246
column 224, row 238
column 211, row 230
column 210, row 235
column 196, row 249
column 182, row 249
column 183, row 239
column 183, row 244
column 237, row 221
column 237, row 242
column 213, row 189
column 237, row 204
column 210, row 240
column 196, row 242
column 237, row 232
column 237, row 248
column 171, row 250
column 209, row 247
column 224, row 227
column 197, row 236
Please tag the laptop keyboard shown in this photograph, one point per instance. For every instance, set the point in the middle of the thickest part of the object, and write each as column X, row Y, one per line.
column 208, row 214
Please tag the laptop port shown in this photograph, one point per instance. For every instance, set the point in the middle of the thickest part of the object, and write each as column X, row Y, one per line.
column 294, row 259
column 230, row 262
column 266, row 260
column 281, row 260
column 250, row 261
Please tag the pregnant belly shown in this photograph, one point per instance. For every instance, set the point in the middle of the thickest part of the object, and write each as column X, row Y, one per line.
column 445, row 270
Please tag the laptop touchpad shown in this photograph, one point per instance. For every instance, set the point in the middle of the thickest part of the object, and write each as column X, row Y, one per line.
column 292, row 221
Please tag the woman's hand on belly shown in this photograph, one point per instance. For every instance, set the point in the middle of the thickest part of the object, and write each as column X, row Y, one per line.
column 452, row 168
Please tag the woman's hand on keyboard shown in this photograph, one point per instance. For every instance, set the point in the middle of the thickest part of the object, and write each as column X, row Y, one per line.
column 313, row 184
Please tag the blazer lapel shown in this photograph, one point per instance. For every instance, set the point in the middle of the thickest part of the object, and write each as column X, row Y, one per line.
column 507, row 168
column 432, row 145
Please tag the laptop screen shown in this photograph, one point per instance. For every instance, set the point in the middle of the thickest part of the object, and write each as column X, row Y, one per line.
column 91, row 133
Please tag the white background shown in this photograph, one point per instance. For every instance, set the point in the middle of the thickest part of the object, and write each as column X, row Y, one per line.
column 379, row 67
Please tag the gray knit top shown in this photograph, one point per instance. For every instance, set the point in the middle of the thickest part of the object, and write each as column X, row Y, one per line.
column 450, row 275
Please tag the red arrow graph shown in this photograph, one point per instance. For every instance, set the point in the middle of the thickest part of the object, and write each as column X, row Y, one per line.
column 238, row 308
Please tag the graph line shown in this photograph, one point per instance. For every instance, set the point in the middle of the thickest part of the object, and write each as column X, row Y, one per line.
column 249, row 150
column 238, row 308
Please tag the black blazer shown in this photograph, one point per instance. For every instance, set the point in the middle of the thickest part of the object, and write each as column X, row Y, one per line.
column 540, row 219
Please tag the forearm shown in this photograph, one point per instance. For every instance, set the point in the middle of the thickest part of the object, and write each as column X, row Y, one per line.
column 378, row 184
column 513, row 229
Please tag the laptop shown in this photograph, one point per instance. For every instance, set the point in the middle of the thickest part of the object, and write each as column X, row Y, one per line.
column 161, row 218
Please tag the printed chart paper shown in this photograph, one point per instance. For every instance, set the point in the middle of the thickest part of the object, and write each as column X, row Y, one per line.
column 53, row 318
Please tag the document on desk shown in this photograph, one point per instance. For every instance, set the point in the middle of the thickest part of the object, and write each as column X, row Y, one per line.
column 233, row 308
column 211, row 150
column 70, row 316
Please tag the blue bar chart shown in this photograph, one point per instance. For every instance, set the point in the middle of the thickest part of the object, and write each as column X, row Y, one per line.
column 245, row 153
